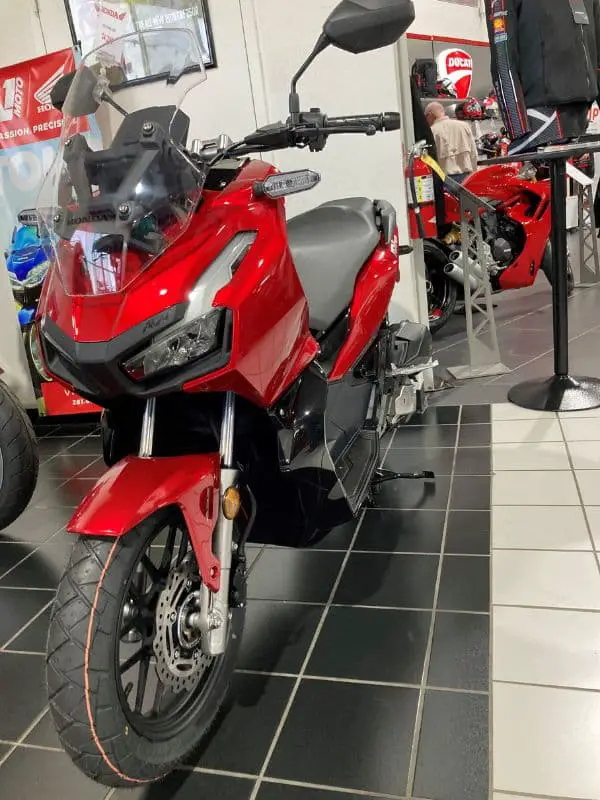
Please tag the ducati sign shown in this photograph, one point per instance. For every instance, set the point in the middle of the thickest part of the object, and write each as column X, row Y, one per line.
column 457, row 66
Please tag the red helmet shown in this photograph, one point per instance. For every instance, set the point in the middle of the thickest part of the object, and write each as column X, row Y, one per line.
column 469, row 110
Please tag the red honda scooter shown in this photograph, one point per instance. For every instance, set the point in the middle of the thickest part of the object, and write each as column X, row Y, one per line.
column 517, row 236
column 248, row 371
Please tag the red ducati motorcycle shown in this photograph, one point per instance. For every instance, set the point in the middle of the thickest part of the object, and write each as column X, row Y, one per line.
column 516, row 232
column 248, row 371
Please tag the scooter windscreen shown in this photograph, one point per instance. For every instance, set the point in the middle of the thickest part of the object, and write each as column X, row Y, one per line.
column 113, row 203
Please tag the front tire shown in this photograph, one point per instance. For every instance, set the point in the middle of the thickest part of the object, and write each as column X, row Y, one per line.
column 19, row 458
column 114, row 732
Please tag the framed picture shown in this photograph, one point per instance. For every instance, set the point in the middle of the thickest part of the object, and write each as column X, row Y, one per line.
column 93, row 22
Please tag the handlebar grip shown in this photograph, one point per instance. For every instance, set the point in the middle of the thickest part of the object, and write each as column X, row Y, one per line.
column 389, row 121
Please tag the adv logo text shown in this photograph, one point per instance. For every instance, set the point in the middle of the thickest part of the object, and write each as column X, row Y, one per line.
column 457, row 66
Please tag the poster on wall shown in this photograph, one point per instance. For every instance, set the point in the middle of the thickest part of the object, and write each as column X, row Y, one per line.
column 30, row 130
column 97, row 22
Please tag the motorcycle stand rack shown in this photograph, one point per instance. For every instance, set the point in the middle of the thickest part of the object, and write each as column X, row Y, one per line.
column 588, row 238
column 484, row 351
column 561, row 392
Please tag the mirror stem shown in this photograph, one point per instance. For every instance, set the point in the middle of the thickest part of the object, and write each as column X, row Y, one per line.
column 321, row 44
column 108, row 99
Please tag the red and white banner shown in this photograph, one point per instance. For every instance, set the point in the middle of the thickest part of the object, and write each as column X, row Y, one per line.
column 26, row 111
column 30, row 129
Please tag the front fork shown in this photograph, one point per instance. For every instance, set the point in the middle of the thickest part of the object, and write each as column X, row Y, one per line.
column 213, row 618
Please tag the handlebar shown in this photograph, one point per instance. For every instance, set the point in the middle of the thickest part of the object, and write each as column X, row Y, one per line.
column 312, row 130
column 389, row 121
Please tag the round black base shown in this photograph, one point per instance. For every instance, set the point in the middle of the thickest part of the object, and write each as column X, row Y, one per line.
column 557, row 394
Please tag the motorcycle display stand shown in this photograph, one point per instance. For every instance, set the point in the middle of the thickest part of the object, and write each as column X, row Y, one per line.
column 588, row 238
column 484, row 351
column 562, row 391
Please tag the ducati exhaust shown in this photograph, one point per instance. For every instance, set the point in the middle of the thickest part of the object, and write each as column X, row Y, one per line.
column 455, row 270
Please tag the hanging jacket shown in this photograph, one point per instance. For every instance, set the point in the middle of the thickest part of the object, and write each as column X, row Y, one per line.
column 541, row 56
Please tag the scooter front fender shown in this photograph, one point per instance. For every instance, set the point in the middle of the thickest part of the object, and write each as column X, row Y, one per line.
column 136, row 488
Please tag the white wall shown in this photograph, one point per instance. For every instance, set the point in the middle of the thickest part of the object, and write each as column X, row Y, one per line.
column 339, row 84
column 439, row 18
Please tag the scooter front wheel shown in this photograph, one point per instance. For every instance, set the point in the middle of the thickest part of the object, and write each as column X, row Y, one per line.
column 130, row 690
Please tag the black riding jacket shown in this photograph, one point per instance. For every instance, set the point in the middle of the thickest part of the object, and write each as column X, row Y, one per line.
column 541, row 56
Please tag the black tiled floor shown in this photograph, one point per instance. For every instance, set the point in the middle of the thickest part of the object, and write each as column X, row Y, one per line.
column 191, row 786
column 11, row 553
column 348, row 731
column 401, row 581
column 33, row 638
column 425, row 437
column 454, row 737
column 463, row 521
column 36, row 525
column 440, row 415
column 472, row 460
column 475, row 436
column 329, row 740
column 277, row 636
column 29, row 773
column 372, row 645
column 401, row 531
column 465, row 584
column 415, row 494
column 302, row 575
column 44, row 734
column 471, row 492
column 241, row 740
column 461, row 652
column 17, row 607
column 412, row 459
column 22, row 683
column 44, row 567
column 475, row 414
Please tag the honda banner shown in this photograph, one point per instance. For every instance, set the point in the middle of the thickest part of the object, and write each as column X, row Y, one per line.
column 30, row 129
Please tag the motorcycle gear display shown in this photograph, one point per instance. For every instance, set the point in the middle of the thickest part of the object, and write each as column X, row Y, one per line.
column 470, row 110
column 545, row 58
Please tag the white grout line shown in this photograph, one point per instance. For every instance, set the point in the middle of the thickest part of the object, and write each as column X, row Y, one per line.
column 412, row 768
column 24, row 735
column 27, row 624
column 357, row 681
column 304, row 666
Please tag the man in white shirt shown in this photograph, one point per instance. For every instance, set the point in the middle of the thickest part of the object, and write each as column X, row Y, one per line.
column 455, row 143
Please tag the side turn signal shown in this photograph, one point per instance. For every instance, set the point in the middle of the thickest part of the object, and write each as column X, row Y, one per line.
column 232, row 503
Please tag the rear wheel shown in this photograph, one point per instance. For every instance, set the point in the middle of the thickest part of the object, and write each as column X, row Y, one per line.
column 442, row 291
column 130, row 690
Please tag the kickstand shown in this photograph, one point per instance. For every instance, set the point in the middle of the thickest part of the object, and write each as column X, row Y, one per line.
column 387, row 475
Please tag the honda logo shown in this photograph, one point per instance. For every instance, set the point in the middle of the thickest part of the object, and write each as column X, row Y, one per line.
column 44, row 94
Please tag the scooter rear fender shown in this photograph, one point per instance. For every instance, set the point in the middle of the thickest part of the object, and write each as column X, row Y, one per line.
column 136, row 488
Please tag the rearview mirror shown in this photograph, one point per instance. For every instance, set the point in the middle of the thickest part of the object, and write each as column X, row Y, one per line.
column 83, row 102
column 358, row 26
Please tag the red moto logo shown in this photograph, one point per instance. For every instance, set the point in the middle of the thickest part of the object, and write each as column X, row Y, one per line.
column 457, row 66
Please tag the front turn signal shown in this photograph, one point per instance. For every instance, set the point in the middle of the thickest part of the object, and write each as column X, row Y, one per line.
column 232, row 503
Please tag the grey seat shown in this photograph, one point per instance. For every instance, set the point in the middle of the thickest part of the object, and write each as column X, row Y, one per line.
column 330, row 244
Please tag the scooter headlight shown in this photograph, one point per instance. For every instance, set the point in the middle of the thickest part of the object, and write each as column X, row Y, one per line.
column 187, row 343
column 201, row 331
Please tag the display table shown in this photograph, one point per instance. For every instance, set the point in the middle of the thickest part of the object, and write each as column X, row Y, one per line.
column 561, row 392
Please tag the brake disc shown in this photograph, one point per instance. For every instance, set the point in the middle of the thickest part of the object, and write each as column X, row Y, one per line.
column 180, row 662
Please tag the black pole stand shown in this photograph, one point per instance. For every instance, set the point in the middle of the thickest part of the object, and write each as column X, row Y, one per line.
column 561, row 392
